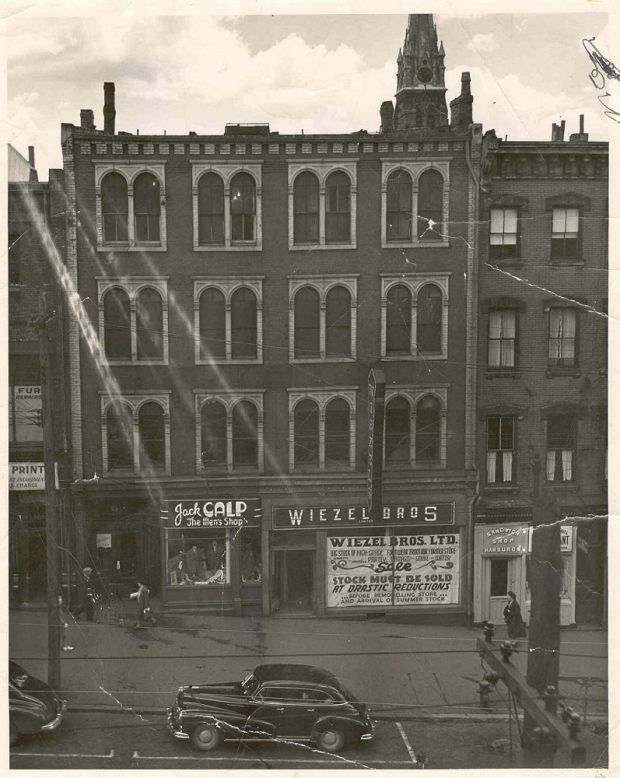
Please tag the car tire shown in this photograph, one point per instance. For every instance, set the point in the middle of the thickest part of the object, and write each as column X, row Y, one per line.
column 331, row 739
column 206, row 737
column 13, row 734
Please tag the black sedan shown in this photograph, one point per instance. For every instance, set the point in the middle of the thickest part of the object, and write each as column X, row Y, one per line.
column 33, row 706
column 275, row 702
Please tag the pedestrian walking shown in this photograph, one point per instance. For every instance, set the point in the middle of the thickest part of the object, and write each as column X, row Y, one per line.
column 143, row 601
column 512, row 617
column 86, row 595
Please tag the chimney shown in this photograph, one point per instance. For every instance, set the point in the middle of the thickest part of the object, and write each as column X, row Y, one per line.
column 387, row 116
column 581, row 136
column 87, row 119
column 33, row 170
column 109, row 111
column 461, row 106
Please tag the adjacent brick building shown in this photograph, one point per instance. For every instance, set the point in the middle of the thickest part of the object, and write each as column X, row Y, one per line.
column 542, row 356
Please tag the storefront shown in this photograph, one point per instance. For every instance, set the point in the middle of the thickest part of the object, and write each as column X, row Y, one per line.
column 501, row 553
column 329, row 560
column 211, row 555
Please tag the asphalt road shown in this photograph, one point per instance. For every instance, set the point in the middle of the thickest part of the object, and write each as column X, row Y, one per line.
column 124, row 741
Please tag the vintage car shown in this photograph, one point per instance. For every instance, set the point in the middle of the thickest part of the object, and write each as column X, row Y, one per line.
column 274, row 702
column 33, row 706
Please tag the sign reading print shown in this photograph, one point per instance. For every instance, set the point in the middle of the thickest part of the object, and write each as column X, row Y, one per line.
column 192, row 514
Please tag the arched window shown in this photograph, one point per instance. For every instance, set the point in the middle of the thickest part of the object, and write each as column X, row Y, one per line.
column 306, row 435
column 427, row 430
column 399, row 206
column 338, row 322
column 245, row 435
column 338, row 208
column 243, row 324
column 149, row 325
column 243, row 207
column 398, row 320
column 152, row 434
column 397, row 431
column 117, row 324
column 114, row 207
column 306, row 208
column 210, row 210
column 213, row 434
column 430, row 306
column 212, row 316
column 119, row 425
column 147, row 208
column 307, row 323
column 337, row 432
column 430, row 205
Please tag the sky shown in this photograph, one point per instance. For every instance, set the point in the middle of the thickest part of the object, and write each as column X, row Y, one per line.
column 181, row 66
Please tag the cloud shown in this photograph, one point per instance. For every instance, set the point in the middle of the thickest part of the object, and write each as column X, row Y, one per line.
column 483, row 42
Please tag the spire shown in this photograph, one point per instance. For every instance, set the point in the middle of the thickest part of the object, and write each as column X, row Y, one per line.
column 420, row 83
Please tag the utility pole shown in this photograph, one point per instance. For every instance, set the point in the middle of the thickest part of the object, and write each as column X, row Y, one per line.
column 51, row 504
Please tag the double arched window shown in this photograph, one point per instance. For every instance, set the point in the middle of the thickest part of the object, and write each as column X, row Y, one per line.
column 226, row 207
column 131, row 205
column 414, row 319
column 414, row 431
column 322, row 432
column 323, row 320
column 136, row 436
column 228, row 321
column 133, row 322
column 414, row 207
column 230, row 432
column 322, row 205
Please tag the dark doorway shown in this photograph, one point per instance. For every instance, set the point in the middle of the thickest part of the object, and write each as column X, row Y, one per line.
column 294, row 581
column 37, row 566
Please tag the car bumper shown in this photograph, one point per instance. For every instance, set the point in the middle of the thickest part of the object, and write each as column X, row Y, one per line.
column 174, row 729
column 55, row 723
column 367, row 736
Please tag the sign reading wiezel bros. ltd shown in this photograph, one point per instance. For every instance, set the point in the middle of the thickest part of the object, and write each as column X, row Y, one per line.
column 225, row 512
column 352, row 515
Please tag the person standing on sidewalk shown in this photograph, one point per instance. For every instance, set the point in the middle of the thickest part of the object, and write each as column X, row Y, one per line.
column 64, row 620
column 143, row 600
column 86, row 595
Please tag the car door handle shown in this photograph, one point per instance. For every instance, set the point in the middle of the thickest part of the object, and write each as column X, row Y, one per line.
column 310, row 710
column 280, row 710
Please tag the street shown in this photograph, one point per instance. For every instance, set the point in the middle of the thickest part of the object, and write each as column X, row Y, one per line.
column 123, row 740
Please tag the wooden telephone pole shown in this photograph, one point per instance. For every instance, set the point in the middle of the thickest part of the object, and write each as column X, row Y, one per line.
column 51, row 503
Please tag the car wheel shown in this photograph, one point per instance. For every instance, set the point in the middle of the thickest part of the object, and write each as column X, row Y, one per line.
column 13, row 734
column 206, row 737
column 331, row 739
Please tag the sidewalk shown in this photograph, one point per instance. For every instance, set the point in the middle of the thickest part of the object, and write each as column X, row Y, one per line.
column 402, row 670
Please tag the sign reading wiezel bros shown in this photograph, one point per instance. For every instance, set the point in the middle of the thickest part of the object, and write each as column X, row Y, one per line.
column 225, row 512
column 357, row 515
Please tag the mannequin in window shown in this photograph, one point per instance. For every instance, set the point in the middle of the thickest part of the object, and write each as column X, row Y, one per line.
column 214, row 556
column 192, row 560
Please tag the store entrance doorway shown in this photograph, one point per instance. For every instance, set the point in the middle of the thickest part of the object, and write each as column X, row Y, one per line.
column 294, row 592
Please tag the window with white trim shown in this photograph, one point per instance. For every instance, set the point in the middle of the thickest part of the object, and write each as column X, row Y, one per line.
column 228, row 320
column 561, row 443
column 322, row 318
column 322, row 204
column 414, row 193
column 130, row 199
column 565, row 233
column 500, row 449
column 502, row 338
column 322, row 429
column 133, row 319
column 504, row 237
column 414, row 316
column 227, row 205
column 229, row 431
column 415, row 427
column 136, row 433
column 562, row 337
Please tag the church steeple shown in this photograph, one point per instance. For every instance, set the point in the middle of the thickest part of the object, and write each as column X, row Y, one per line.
column 420, row 83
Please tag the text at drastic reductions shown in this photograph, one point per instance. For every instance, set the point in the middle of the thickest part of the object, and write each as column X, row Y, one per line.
column 380, row 571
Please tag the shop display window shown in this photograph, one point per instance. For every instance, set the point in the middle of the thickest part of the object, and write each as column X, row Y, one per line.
column 198, row 557
column 251, row 561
